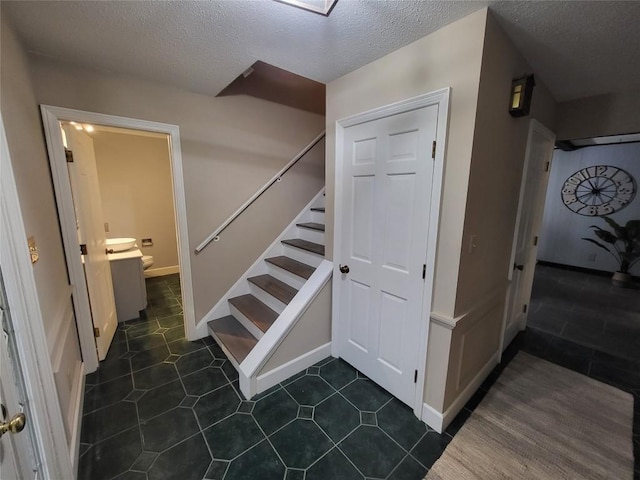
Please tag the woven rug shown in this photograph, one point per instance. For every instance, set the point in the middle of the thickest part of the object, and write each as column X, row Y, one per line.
column 542, row 421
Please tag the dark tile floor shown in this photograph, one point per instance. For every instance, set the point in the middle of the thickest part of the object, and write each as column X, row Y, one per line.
column 161, row 407
column 586, row 309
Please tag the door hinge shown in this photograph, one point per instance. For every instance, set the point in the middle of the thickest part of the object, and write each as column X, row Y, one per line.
column 83, row 249
column 415, row 376
column 96, row 332
column 546, row 167
column 535, row 241
column 68, row 155
column 424, row 271
column 433, row 150
column 524, row 308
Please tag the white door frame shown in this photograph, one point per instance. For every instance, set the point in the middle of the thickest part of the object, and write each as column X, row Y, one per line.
column 28, row 323
column 51, row 116
column 534, row 125
column 441, row 99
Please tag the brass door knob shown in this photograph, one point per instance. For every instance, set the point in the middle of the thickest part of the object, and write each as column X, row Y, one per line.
column 344, row 268
column 15, row 425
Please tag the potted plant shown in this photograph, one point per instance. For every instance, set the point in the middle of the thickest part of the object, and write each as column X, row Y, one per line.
column 623, row 243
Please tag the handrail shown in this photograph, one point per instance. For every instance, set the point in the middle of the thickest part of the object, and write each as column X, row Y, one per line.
column 214, row 236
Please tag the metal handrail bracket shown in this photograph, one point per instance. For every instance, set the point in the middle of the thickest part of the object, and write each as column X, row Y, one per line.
column 215, row 235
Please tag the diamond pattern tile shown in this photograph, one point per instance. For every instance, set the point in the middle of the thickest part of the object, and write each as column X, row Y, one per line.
column 161, row 408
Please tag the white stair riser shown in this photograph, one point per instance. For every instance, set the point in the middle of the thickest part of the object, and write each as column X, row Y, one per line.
column 269, row 300
column 246, row 323
column 225, row 350
column 317, row 217
column 314, row 236
column 285, row 276
column 302, row 255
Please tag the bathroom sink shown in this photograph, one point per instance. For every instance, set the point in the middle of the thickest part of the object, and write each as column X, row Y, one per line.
column 120, row 244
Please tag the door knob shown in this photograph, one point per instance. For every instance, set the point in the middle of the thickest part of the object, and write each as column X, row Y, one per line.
column 518, row 267
column 15, row 425
column 344, row 268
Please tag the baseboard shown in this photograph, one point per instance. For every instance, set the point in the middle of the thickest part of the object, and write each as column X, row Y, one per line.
column 162, row 271
column 281, row 373
column 576, row 268
column 459, row 403
column 433, row 418
column 78, row 405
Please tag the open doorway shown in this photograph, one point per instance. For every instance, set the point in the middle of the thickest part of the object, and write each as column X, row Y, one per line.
column 125, row 210
column 575, row 299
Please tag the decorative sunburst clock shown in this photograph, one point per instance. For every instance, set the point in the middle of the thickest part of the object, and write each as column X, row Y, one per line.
column 598, row 191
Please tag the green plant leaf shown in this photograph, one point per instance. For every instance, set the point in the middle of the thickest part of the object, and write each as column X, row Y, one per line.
column 598, row 244
column 606, row 236
column 619, row 230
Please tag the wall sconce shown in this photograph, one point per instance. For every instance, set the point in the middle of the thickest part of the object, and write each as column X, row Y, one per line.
column 521, row 93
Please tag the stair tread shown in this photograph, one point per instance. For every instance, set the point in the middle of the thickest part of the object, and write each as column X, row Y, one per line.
column 317, row 209
column 274, row 287
column 312, row 226
column 236, row 339
column 256, row 311
column 305, row 245
column 297, row 268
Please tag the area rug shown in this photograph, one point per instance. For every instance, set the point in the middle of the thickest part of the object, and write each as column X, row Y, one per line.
column 542, row 421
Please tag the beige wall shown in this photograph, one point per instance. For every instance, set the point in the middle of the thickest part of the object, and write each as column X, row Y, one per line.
column 602, row 115
column 134, row 173
column 21, row 119
column 499, row 145
column 230, row 147
column 449, row 57
column 312, row 331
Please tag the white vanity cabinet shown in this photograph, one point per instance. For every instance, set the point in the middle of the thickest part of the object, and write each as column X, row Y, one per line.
column 129, row 288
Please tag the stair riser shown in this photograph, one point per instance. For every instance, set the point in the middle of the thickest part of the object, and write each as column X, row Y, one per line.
column 317, row 217
column 285, row 276
column 269, row 300
column 246, row 323
column 225, row 350
column 314, row 236
column 302, row 255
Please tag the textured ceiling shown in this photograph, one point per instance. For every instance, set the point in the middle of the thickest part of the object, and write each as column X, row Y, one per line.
column 578, row 48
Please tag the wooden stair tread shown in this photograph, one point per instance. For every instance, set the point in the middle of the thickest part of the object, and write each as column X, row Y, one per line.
column 256, row 311
column 297, row 268
column 305, row 245
column 274, row 287
column 236, row 339
column 317, row 209
column 312, row 226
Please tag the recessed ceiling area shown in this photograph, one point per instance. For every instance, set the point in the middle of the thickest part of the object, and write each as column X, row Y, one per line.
column 576, row 48
column 271, row 83
column 323, row 7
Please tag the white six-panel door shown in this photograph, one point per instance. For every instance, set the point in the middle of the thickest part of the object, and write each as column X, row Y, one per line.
column 535, row 177
column 83, row 175
column 386, row 191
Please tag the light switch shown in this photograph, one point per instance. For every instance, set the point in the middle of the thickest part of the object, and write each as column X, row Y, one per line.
column 473, row 243
column 33, row 249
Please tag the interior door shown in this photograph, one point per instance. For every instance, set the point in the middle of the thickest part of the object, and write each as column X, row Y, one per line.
column 17, row 457
column 530, row 209
column 83, row 176
column 388, row 173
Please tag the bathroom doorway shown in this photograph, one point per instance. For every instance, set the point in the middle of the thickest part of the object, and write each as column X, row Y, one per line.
column 125, row 200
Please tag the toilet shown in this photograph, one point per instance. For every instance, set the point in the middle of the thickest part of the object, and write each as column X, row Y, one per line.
column 147, row 261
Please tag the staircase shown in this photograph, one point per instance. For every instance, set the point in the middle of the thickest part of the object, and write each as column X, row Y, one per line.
column 258, row 301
